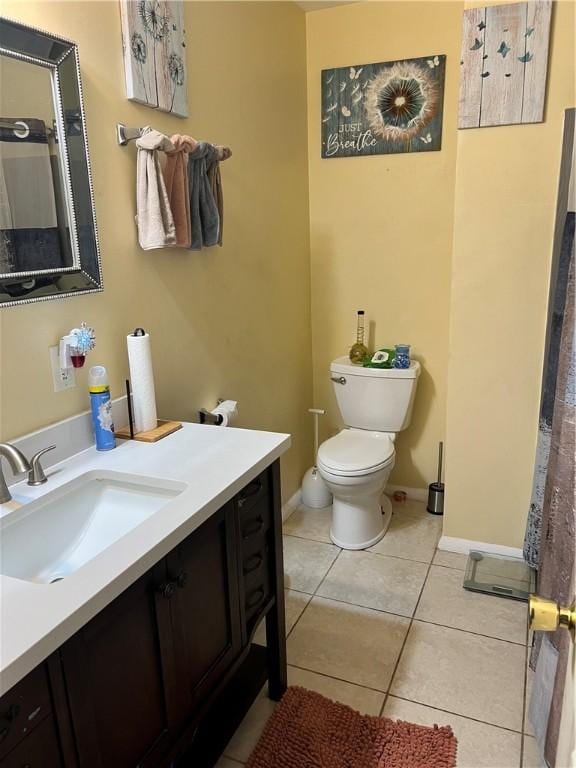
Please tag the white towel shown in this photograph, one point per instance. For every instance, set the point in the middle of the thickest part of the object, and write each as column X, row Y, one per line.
column 154, row 216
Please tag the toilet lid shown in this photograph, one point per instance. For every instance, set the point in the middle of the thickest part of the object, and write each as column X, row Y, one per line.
column 354, row 452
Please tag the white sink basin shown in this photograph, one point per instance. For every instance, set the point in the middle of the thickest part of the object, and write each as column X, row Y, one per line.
column 50, row 538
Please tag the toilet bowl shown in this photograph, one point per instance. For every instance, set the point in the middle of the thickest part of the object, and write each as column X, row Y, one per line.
column 356, row 465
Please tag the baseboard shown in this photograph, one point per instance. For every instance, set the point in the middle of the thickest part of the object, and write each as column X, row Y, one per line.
column 416, row 494
column 292, row 504
column 464, row 546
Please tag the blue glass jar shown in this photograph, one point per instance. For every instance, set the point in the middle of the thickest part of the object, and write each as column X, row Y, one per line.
column 402, row 359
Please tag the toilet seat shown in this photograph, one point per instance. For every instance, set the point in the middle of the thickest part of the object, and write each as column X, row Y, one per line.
column 353, row 453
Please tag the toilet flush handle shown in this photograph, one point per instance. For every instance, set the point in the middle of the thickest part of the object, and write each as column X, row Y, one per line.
column 338, row 379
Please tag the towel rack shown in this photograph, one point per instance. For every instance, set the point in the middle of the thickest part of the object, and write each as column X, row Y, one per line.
column 125, row 134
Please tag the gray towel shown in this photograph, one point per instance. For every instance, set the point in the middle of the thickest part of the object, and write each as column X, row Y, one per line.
column 204, row 217
column 154, row 218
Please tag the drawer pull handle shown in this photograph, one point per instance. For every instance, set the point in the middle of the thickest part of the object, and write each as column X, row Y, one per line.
column 255, row 598
column 9, row 717
column 182, row 579
column 167, row 590
column 252, row 489
column 253, row 527
column 253, row 564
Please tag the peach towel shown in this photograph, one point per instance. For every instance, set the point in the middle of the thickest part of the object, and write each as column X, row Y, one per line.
column 176, row 179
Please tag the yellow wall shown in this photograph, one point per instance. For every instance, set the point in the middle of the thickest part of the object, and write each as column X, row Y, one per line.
column 231, row 322
column 449, row 251
column 506, row 187
column 381, row 227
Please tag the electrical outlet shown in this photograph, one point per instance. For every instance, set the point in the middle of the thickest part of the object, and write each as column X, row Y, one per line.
column 61, row 378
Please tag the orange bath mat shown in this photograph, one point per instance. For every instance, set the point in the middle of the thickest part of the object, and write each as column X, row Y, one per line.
column 310, row 731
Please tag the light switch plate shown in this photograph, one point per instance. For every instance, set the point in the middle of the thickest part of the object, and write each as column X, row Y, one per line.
column 61, row 378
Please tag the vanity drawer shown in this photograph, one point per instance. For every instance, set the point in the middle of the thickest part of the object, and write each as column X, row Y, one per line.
column 38, row 750
column 256, row 569
column 255, row 492
column 23, row 708
column 256, row 593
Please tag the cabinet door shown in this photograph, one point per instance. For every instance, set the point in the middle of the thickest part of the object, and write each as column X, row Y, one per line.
column 120, row 677
column 205, row 608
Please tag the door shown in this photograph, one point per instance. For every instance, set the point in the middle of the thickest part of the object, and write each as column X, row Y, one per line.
column 549, row 616
column 551, row 536
column 120, row 678
column 567, row 740
column 205, row 608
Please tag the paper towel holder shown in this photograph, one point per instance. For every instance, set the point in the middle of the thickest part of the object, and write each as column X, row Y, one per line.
column 162, row 429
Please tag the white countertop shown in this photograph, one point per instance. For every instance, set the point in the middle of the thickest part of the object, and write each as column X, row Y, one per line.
column 215, row 463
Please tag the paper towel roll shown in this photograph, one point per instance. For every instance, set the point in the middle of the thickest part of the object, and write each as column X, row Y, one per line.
column 227, row 409
column 142, row 380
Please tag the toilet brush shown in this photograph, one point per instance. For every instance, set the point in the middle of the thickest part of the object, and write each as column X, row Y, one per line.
column 436, row 490
column 315, row 494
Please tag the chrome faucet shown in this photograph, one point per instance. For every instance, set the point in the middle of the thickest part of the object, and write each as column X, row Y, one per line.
column 17, row 461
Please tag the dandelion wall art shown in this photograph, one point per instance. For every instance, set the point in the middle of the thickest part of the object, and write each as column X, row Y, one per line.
column 377, row 109
column 154, row 43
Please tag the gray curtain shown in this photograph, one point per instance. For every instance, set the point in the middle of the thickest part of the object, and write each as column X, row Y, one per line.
column 562, row 254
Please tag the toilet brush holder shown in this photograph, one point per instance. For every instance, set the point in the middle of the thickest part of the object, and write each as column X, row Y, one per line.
column 436, row 490
column 435, row 499
column 315, row 492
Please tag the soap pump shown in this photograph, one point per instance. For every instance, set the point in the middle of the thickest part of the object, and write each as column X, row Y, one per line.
column 315, row 493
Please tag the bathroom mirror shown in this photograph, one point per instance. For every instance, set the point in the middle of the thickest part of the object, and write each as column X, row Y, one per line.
column 48, row 236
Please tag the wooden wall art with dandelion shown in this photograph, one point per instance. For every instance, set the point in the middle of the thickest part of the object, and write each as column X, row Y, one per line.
column 154, row 47
column 378, row 109
column 503, row 64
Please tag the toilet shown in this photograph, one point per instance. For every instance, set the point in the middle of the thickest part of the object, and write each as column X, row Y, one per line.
column 375, row 404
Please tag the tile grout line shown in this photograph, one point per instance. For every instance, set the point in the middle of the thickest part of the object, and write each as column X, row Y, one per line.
column 339, row 679
column 457, row 714
column 299, row 616
column 370, row 551
column 403, row 615
column 313, row 594
column 525, row 692
column 391, row 681
column 412, row 618
column 403, row 698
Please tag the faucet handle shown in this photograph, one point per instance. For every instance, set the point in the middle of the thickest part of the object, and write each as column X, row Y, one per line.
column 36, row 474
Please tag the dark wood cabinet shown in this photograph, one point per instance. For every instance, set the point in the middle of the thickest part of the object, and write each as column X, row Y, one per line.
column 134, row 687
column 40, row 749
column 23, row 708
column 120, row 679
column 205, row 608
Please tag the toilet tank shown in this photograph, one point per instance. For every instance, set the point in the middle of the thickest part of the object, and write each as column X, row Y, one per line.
column 379, row 399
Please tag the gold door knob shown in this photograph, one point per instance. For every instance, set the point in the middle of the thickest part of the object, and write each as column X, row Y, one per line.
column 548, row 616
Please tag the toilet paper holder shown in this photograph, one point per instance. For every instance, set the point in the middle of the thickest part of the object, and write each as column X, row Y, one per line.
column 205, row 417
column 220, row 416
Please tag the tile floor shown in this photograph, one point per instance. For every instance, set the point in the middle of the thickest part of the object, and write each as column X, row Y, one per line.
column 390, row 631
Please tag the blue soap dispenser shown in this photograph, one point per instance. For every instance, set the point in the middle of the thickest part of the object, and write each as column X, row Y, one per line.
column 101, row 407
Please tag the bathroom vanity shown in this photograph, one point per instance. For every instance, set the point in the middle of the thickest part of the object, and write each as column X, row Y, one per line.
column 144, row 652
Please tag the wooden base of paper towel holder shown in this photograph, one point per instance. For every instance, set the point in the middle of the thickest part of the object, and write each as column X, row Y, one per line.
column 162, row 429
